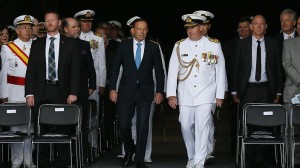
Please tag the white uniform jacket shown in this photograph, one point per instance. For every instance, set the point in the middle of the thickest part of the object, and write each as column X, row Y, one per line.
column 98, row 53
column 13, row 72
column 206, row 79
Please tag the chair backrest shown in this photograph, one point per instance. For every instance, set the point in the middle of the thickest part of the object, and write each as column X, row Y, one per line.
column 13, row 114
column 59, row 114
column 265, row 115
column 295, row 114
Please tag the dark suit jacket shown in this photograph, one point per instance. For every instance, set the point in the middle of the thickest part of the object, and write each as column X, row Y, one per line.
column 110, row 53
column 68, row 71
column 87, row 69
column 243, row 62
column 229, row 49
column 125, row 57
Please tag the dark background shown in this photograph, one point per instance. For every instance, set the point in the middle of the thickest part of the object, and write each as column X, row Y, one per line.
column 164, row 16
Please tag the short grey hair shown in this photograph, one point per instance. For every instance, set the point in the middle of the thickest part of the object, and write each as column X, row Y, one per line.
column 289, row 11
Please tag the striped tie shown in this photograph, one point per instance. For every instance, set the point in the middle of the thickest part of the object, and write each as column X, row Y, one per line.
column 51, row 60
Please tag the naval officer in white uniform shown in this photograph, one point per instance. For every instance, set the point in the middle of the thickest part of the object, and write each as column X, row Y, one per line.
column 196, row 82
column 15, row 55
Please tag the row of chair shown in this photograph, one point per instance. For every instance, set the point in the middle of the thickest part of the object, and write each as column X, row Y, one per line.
column 49, row 115
column 283, row 134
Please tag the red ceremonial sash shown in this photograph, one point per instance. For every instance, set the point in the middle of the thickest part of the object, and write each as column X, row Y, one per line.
column 19, row 53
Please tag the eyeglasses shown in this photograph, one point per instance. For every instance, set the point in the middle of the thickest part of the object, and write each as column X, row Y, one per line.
column 25, row 27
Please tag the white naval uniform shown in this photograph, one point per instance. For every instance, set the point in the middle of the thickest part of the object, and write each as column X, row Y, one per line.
column 148, row 151
column 197, row 94
column 13, row 66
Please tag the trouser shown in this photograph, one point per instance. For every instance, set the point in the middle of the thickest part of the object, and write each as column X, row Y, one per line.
column 126, row 111
column 94, row 141
column 149, row 140
column 195, row 121
column 211, row 138
column 20, row 151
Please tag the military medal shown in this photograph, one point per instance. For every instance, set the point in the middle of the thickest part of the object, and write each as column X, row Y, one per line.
column 203, row 57
column 24, row 48
column 209, row 55
column 94, row 44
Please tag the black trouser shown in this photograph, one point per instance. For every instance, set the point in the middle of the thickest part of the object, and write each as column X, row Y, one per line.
column 52, row 95
column 255, row 154
column 84, row 126
column 126, row 112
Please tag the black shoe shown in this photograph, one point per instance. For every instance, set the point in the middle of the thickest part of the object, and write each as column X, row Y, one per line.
column 127, row 160
column 141, row 165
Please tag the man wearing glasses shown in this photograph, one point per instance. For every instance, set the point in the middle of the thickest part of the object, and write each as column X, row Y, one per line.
column 15, row 56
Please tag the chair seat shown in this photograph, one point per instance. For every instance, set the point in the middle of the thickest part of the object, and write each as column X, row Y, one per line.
column 54, row 139
column 12, row 139
column 275, row 140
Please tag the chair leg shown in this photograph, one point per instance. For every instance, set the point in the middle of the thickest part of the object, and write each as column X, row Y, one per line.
column 100, row 140
column 71, row 158
column 237, row 150
column 293, row 156
column 37, row 155
column 276, row 157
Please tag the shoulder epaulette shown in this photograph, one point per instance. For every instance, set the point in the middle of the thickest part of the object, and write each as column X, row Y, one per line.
column 7, row 42
column 98, row 34
column 213, row 40
column 179, row 41
column 154, row 42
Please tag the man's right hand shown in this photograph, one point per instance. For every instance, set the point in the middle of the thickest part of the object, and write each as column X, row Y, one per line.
column 172, row 102
column 235, row 98
column 30, row 100
column 113, row 95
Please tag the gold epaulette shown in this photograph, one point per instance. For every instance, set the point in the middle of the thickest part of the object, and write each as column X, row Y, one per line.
column 213, row 40
column 98, row 34
column 7, row 42
column 179, row 41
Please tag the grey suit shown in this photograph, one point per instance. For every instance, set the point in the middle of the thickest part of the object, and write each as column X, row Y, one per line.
column 290, row 62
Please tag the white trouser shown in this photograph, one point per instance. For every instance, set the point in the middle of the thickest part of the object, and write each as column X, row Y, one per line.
column 195, row 122
column 211, row 139
column 17, row 154
column 149, row 140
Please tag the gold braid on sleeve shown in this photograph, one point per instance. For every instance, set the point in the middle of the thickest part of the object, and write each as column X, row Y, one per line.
column 187, row 66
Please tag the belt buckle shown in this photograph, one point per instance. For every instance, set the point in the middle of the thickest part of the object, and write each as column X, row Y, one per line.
column 49, row 82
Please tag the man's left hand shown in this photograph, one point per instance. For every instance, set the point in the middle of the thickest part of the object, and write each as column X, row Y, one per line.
column 71, row 99
column 158, row 98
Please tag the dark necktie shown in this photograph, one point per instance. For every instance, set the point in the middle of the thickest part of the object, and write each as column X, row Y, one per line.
column 51, row 60
column 138, row 55
column 258, row 62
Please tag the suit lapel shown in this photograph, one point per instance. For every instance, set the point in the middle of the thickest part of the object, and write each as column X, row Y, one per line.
column 61, row 51
column 43, row 51
column 249, row 52
column 131, row 52
column 146, row 48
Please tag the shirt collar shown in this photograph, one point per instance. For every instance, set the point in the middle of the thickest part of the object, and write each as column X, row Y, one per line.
column 135, row 42
column 57, row 36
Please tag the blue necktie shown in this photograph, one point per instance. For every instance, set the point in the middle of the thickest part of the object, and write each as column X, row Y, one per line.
column 138, row 55
column 51, row 60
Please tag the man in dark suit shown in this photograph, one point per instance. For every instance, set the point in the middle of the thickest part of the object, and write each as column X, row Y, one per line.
column 138, row 57
column 87, row 76
column 257, row 77
column 52, row 74
column 288, row 19
column 229, row 50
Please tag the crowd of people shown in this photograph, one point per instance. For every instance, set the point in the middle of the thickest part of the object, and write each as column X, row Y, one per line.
column 62, row 61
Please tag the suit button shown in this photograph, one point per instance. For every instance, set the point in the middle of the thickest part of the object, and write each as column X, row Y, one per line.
column 195, row 86
column 195, row 76
column 195, row 55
